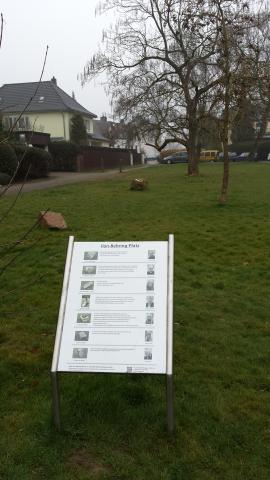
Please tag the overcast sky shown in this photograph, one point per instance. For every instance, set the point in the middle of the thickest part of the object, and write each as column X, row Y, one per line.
column 73, row 33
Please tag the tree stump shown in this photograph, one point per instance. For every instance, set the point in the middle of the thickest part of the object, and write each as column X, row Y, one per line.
column 139, row 184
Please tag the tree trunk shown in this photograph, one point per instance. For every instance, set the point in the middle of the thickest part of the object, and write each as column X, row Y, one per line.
column 226, row 174
column 226, row 116
column 192, row 150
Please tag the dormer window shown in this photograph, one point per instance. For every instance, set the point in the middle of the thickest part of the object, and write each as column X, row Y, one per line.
column 41, row 99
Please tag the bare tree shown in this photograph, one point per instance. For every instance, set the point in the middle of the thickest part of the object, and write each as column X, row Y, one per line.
column 170, row 43
column 243, row 52
column 174, row 64
column 8, row 251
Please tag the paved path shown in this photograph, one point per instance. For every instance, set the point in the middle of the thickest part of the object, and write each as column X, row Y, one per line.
column 57, row 179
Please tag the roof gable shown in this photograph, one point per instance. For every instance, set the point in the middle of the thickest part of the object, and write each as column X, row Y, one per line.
column 46, row 97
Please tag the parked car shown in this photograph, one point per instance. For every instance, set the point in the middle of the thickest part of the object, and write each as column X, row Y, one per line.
column 153, row 159
column 209, row 155
column 243, row 157
column 180, row 157
column 231, row 156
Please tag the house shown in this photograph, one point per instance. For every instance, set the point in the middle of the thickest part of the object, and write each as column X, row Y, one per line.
column 44, row 107
column 114, row 133
column 121, row 135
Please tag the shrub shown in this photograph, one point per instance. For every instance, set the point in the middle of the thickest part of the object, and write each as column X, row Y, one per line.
column 263, row 150
column 241, row 147
column 64, row 155
column 78, row 132
column 8, row 159
column 36, row 157
column 4, row 178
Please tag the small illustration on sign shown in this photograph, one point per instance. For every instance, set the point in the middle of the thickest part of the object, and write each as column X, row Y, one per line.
column 149, row 302
column 148, row 335
column 151, row 269
column 89, row 270
column 80, row 352
column 83, row 317
column 81, row 336
column 149, row 318
column 87, row 285
column 150, row 285
column 148, row 354
column 90, row 255
column 85, row 302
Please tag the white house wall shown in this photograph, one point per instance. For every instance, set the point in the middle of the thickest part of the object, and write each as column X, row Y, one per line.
column 55, row 123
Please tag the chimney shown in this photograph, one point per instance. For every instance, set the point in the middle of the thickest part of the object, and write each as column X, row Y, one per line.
column 103, row 118
column 54, row 80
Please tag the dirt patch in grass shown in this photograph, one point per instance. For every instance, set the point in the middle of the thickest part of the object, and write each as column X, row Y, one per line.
column 83, row 460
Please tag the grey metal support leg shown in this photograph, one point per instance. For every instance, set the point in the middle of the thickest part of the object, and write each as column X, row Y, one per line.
column 56, row 400
column 170, row 409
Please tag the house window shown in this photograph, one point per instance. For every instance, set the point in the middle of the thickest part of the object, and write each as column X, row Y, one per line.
column 22, row 123
column 6, row 123
column 87, row 125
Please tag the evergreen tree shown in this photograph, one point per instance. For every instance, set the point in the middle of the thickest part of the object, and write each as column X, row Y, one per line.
column 78, row 133
column 243, row 126
column 2, row 133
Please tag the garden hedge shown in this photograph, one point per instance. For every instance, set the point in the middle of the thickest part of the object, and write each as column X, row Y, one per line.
column 8, row 159
column 64, row 156
column 38, row 160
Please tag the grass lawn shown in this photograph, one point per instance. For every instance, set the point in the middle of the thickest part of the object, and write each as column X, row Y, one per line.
column 114, row 427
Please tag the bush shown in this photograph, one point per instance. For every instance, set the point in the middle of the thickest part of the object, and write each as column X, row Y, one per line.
column 78, row 134
column 241, row 147
column 263, row 148
column 4, row 178
column 8, row 159
column 36, row 157
column 64, row 155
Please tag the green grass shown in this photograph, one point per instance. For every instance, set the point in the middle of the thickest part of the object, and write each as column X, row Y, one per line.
column 114, row 427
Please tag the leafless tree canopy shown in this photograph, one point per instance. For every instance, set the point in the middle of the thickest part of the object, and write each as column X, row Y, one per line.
column 168, row 61
column 9, row 251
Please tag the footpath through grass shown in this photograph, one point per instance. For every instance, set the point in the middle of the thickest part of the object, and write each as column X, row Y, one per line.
column 114, row 427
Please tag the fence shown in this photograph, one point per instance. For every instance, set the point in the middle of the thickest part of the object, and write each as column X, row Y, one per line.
column 104, row 158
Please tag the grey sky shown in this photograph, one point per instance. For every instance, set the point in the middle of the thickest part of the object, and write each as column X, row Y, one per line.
column 72, row 32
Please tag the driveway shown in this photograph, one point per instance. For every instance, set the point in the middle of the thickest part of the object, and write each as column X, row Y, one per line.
column 57, row 179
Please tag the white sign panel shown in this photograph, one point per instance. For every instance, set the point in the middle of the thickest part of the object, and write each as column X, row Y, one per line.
column 115, row 317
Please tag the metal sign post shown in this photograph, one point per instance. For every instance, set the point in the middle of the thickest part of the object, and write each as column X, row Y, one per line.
column 169, row 369
column 116, row 295
column 54, row 372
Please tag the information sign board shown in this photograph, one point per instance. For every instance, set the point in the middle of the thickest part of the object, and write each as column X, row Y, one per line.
column 116, row 312
column 116, row 308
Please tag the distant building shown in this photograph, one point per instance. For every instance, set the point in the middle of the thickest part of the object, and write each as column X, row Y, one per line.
column 46, row 108
column 121, row 135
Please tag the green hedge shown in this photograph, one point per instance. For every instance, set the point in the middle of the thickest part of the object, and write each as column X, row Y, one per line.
column 8, row 159
column 64, row 155
column 4, row 178
column 263, row 148
column 38, row 159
